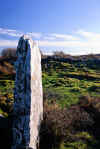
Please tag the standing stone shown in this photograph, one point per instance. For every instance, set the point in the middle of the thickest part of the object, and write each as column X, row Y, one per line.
column 28, row 103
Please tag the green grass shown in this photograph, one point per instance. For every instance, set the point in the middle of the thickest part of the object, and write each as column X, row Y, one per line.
column 70, row 81
column 6, row 87
column 63, row 83
column 83, row 141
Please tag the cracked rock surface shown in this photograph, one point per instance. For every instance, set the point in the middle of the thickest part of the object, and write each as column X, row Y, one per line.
column 28, row 101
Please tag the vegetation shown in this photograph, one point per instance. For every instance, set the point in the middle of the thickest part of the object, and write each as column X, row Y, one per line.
column 9, row 52
column 76, row 127
column 66, row 81
column 71, row 88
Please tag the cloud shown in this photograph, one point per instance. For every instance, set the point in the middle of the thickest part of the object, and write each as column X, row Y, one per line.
column 78, row 47
column 8, row 43
column 49, row 38
column 89, row 35
column 15, row 33
column 47, row 43
column 34, row 35
column 79, row 42
column 64, row 36
column 10, row 32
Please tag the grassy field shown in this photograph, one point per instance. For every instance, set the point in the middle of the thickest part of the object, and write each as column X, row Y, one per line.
column 66, row 82
column 63, row 82
column 69, row 125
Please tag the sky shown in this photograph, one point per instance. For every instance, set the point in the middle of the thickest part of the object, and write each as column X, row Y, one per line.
column 71, row 26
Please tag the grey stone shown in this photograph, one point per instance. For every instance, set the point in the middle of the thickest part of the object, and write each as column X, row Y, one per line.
column 28, row 102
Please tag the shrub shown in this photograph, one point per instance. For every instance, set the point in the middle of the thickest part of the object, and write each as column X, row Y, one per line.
column 61, row 54
column 75, row 89
column 50, row 95
column 94, row 88
column 74, row 127
column 61, row 125
column 9, row 52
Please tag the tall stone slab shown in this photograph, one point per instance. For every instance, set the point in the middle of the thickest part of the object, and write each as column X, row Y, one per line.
column 28, row 103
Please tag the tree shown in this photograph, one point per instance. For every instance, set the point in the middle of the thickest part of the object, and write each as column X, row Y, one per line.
column 60, row 54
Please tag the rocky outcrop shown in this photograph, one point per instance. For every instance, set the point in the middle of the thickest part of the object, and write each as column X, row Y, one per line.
column 28, row 107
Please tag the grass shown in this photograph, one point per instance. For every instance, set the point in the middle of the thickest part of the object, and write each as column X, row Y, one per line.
column 84, row 141
column 71, row 81
column 63, row 84
column 67, row 80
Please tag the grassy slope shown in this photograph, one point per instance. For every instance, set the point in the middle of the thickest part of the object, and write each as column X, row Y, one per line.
column 63, row 82
column 69, row 81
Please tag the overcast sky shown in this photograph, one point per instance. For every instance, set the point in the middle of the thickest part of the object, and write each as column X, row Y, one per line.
column 72, row 26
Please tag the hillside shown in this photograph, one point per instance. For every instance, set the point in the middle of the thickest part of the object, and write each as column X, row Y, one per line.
column 69, row 78
column 65, row 78
column 71, row 88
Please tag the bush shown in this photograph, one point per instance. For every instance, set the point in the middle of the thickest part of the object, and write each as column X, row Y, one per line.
column 75, row 127
column 9, row 52
column 94, row 88
column 75, row 89
column 51, row 96
column 60, row 124
column 61, row 54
